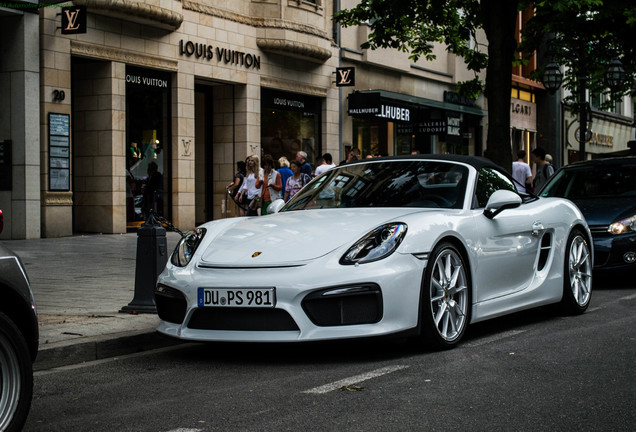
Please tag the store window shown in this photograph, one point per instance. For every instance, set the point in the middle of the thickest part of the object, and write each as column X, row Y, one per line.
column 370, row 137
column 290, row 123
column 147, row 139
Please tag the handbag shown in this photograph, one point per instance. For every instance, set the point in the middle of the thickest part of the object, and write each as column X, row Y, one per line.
column 256, row 203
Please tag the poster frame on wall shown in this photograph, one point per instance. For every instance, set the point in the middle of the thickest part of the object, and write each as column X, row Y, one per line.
column 59, row 152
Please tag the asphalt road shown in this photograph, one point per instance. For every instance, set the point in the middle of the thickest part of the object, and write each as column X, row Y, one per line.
column 533, row 371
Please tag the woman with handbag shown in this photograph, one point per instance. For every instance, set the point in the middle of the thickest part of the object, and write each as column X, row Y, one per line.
column 249, row 191
column 297, row 181
column 270, row 184
column 235, row 187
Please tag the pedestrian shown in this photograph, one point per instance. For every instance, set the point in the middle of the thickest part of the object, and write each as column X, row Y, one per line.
column 306, row 168
column 353, row 155
column 548, row 159
column 152, row 190
column 269, row 183
column 543, row 170
column 249, row 191
column 234, row 187
column 284, row 172
column 326, row 165
column 522, row 173
column 297, row 181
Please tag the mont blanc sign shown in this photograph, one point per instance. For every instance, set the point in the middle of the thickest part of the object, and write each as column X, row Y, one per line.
column 227, row 56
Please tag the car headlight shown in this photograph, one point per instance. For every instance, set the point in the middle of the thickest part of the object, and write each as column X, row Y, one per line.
column 376, row 245
column 187, row 246
column 623, row 226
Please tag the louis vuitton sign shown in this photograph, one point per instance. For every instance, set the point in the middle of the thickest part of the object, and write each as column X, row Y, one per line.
column 74, row 20
column 221, row 54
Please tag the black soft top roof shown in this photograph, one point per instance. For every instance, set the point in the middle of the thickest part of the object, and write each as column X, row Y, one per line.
column 477, row 162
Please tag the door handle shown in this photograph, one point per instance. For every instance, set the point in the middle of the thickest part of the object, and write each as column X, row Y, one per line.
column 537, row 228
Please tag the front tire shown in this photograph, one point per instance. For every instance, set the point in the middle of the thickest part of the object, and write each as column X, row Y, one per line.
column 577, row 280
column 16, row 377
column 446, row 298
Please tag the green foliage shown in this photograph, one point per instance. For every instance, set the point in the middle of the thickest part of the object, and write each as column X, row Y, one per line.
column 412, row 26
column 595, row 30
column 584, row 36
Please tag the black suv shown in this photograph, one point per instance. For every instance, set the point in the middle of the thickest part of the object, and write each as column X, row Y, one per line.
column 18, row 340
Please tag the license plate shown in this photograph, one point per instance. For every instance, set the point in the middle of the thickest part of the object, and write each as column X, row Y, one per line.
column 230, row 297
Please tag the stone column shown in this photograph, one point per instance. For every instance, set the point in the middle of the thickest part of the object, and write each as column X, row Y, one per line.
column 19, row 124
column 183, row 154
column 98, row 147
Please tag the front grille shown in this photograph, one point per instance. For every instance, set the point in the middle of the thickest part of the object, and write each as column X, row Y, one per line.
column 171, row 304
column 599, row 229
column 350, row 305
column 246, row 319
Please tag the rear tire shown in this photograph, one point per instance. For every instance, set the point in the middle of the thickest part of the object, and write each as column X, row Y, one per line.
column 16, row 377
column 446, row 298
column 577, row 278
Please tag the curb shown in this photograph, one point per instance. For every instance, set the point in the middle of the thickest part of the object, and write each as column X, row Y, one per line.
column 99, row 347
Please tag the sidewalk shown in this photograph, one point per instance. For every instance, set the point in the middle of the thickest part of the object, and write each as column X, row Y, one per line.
column 80, row 284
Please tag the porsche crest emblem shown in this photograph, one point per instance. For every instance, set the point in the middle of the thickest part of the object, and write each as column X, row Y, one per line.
column 255, row 254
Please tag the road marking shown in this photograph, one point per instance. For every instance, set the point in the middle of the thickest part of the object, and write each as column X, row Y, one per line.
column 629, row 297
column 355, row 379
column 494, row 338
column 186, row 430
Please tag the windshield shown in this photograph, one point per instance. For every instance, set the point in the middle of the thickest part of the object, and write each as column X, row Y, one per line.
column 600, row 181
column 412, row 183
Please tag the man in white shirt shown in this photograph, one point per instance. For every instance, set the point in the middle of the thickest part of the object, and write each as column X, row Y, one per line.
column 521, row 172
column 326, row 165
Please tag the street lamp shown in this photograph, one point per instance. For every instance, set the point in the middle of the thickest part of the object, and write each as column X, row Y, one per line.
column 615, row 75
column 552, row 79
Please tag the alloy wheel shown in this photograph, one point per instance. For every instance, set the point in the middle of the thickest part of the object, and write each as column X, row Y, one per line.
column 580, row 269
column 449, row 295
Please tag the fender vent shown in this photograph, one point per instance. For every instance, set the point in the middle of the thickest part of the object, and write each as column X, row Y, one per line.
column 544, row 252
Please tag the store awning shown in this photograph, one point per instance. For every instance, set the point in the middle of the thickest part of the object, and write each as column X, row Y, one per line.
column 400, row 107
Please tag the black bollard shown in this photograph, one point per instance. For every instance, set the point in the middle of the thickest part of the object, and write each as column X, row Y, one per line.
column 152, row 256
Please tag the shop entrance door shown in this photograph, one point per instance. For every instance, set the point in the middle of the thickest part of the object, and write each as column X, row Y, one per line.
column 147, row 145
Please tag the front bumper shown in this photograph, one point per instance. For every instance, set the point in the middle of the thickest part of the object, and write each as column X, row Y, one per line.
column 614, row 252
column 322, row 300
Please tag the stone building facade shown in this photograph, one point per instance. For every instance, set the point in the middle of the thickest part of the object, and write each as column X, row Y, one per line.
column 191, row 86
column 399, row 106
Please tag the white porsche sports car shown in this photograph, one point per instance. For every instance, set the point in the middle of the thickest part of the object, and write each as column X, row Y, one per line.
column 421, row 244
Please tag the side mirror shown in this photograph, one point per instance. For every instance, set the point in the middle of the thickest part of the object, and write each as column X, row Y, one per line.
column 500, row 201
column 275, row 206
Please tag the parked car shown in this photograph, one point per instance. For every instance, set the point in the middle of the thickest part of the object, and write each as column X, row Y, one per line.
column 420, row 245
column 18, row 341
column 605, row 191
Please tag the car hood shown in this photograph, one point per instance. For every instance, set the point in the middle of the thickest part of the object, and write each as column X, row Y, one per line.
column 293, row 238
column 604, row 211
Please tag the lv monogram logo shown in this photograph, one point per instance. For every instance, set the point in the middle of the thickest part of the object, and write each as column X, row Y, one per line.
column 344, row 76
column 73, row 20
column 71, row 17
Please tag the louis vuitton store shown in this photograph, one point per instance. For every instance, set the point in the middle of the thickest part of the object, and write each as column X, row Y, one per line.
column 152, row 106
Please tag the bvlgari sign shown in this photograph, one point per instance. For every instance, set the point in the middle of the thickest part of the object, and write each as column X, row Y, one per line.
column 225, row 55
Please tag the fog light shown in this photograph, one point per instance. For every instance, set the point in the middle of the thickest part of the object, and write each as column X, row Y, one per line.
column 630, row 257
